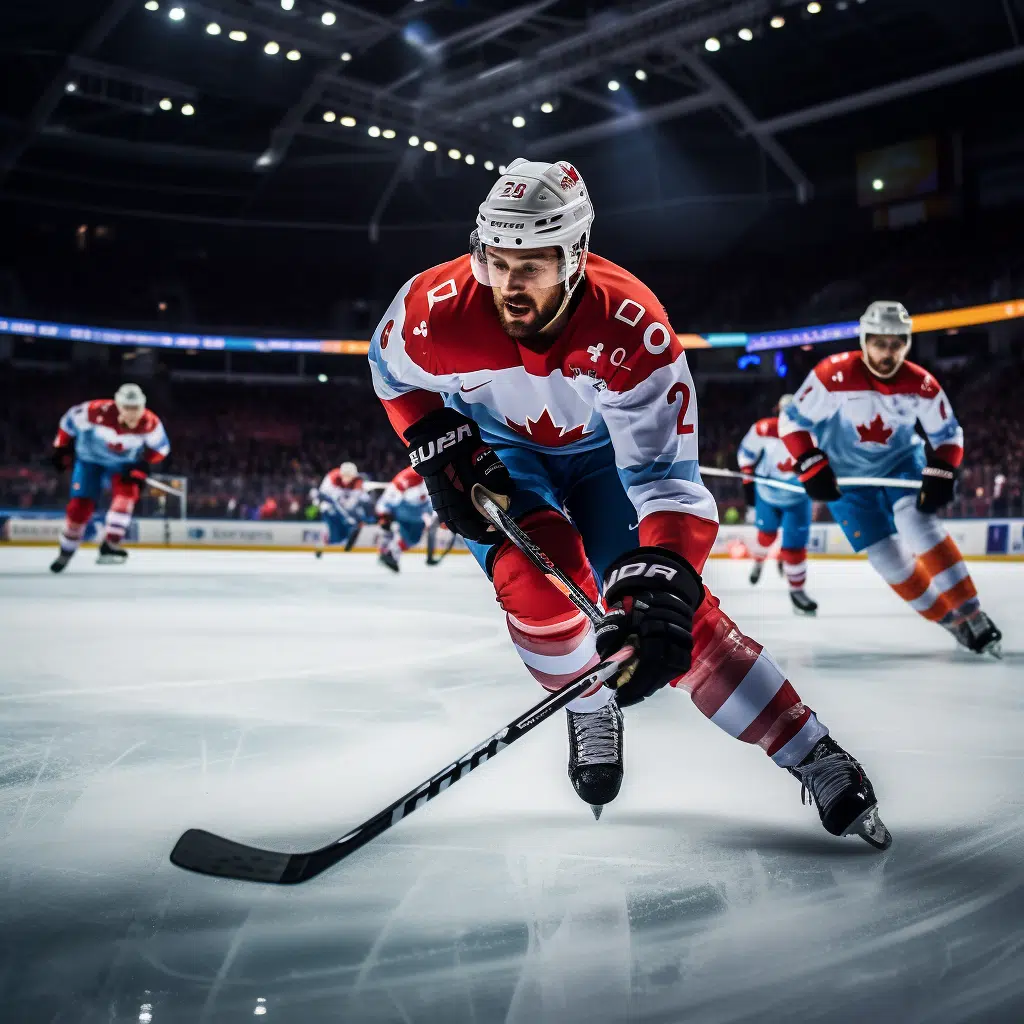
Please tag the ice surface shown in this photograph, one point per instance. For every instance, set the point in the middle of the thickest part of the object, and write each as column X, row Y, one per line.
column 276, row 699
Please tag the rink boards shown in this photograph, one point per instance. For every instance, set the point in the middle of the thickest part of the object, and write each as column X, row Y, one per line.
column 977, row 538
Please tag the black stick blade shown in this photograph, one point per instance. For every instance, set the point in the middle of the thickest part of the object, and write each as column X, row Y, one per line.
column 207, row 854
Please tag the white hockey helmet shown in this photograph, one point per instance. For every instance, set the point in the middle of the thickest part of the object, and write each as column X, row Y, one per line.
column 889, row 319
column 533, row 205
column 347, row 471
column 130, row 396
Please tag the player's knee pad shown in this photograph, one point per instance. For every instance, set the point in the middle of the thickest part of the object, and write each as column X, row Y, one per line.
column 891, row 559
column 766, row 538
column 79, row 511
column 552, row 636
column 921, row 531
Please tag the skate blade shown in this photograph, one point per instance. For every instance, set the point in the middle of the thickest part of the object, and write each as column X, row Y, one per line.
column 870, row 828
column 111, row 559
column 597, row 809
column 995, row 649
column 808, row 612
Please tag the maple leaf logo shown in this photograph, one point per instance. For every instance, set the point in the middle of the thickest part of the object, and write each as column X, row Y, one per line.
column 544, row 431
column 875, row 432
column 786, row 467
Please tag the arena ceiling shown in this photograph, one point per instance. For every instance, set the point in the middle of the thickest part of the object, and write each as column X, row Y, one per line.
column 302, row 111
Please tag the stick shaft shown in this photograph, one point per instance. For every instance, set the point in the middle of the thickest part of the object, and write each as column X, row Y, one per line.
column 160, row 486
column 783, row 485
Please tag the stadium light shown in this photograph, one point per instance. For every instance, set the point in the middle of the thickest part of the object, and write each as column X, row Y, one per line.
column 640, row 75
column 329, row 116
column 348, row 121
column 430, row 147
column 470, row 159
column 778, row 21
column 152, row 5
column 414, row 140
column 711, row 44
column 272, row 48
column 176, row 13
column 373, row 131
column 546, row 107
column 488, row 165
column 613, row 86
column 388, row 133
column 877, row 184
column 293, row 55
column 187, row 109
column 287, row 5
column 165, row 103
column 745, row 34
column 814, row 7
column 213, row 29
column 454, row 154
column 501, row 169
column 328, row 17
column 518, row 121
column 71, row 87
column 237, row 35
column 322, row 377
column 346, row 56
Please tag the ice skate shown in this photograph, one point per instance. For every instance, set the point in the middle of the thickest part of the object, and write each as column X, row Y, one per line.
column 802, row 604
column 755, row 573
column 387, row 557
column 59, row 564
column 978, row 633
column 595, row 754
column 319, row 554
column 837, row 785
column 111, row 554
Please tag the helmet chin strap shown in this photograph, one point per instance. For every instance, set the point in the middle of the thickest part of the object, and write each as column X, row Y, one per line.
column 548, row 328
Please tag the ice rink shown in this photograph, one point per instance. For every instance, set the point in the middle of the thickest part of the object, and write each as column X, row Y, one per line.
column 277, row 699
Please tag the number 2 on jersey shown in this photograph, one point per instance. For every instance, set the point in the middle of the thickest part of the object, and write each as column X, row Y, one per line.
column 682, row 392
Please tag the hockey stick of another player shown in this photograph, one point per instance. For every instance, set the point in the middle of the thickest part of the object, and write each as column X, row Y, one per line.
column 158, row 486
column 783, row 485
column 209, row 854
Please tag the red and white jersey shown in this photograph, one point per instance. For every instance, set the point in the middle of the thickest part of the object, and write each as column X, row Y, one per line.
column 866, row 425
column 344, row 496
column 407, row 493
column 763, row 452
column 616, row 375
column 100, row 437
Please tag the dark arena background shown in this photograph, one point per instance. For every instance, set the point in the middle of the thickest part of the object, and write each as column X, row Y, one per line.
column 217, row 201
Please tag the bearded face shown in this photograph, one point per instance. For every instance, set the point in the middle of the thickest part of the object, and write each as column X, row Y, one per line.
column 527, row 288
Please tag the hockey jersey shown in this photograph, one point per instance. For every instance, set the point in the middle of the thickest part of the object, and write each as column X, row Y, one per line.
column 101, row 438
column 616, row 375
column 763, row 452
column 347, row 497
column 406, row 495
column 866, row 425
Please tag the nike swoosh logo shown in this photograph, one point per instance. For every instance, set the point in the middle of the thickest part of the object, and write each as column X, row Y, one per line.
column 466, row 390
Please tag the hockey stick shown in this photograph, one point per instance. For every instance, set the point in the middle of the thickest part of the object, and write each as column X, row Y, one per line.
column 209, row 854
column 158, row 486
column 783, row 485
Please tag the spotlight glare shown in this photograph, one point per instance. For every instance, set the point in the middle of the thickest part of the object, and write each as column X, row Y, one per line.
column 613, row 86
column 546, row 107
column 470, row 159
column 388, row 133
column 237, row 35
column 454, row 154
column 71, row 87
column 814, row 7
column 176, row 13
column 414, row 140
column 488, row 165
column 328, row 17
column 213, row 29
column 287, row 5
column 640, row 75
column 293, row 55
column 778, row 21
column 272, row 48
column 322, row 377
column 329, row 116
column 166, row 104
column 187, row 109
column 373, row 131
column 745, row 34
column 429, row 146
column 152, row 5
column 711, row 44
column 518, row 121
column 501, row 168
column 877, row 184
column 348, row 121
column 346, row 56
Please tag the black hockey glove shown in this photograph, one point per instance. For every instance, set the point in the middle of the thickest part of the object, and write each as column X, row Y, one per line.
column 136, row 473
column 938, row 482
column 815, row 473
column 749, row 491
column 63, row 457
column 652, row 595
column 446, row 449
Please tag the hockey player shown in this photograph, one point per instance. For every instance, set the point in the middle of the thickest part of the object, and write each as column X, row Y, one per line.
column 552, row 379
column 403, row 513
column 342, row 502
column 762, row 451
column 106, row 441
column 856, row 414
